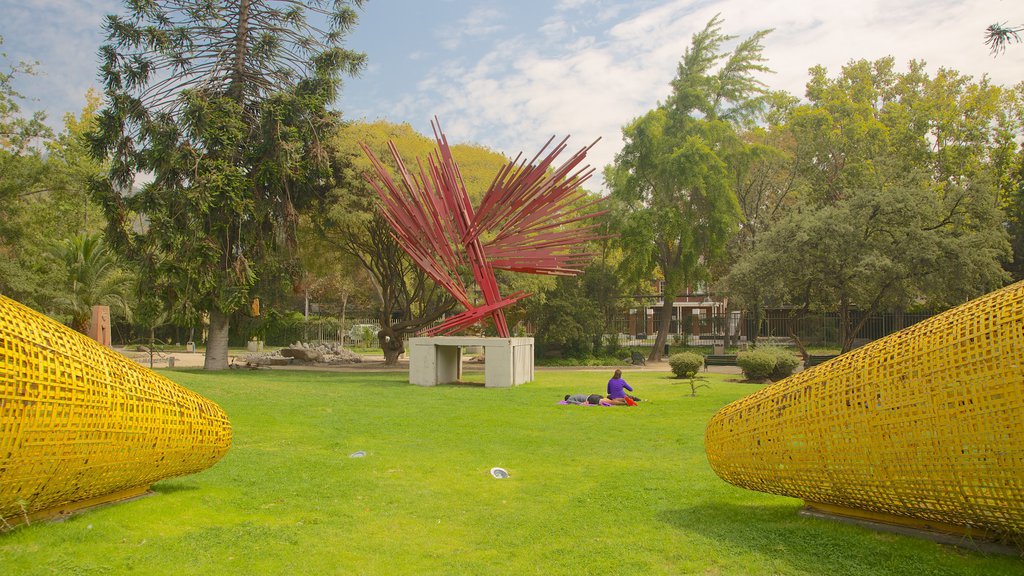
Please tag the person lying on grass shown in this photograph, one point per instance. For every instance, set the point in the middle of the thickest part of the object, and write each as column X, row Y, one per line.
column 583, row 398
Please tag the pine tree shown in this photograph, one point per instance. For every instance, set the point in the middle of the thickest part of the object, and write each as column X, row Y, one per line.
column 222, row 103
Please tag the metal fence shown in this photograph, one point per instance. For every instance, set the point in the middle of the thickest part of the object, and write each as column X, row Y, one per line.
column 317, row 329
column 824, row 329
column 819, row 330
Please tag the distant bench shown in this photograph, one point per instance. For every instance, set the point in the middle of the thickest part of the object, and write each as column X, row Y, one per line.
column 815, row 359
column 719, row 360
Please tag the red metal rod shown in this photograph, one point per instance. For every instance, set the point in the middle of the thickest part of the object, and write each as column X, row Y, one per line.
column 525, row 213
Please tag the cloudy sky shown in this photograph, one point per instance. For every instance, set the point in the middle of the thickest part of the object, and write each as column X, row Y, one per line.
column 509, row 74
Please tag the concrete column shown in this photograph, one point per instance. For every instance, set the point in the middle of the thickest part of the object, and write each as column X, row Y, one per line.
column 449, row 364
column 422, row 362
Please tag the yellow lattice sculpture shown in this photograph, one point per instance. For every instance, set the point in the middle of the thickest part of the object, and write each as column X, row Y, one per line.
column 81, row 424
column 924, row 427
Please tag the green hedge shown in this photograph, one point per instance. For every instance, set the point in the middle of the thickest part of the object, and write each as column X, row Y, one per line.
column 685, row 364
column 756, row 364
column 590, row 361
column 785, row 363
column 767, row 363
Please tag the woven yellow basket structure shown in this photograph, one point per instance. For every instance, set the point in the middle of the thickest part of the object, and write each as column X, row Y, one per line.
column 924, row 427
column 81, row 424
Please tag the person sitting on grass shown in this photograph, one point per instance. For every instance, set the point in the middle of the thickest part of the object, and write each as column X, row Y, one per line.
column 616, row 396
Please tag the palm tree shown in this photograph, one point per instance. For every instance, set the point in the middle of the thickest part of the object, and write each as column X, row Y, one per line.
column 94, row 277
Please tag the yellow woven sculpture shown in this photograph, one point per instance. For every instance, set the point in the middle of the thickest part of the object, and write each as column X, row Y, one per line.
column 81, row 424
column 924, row 427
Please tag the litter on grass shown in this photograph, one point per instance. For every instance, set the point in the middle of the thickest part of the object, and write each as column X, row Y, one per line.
column 499, row 473
column 358, row 454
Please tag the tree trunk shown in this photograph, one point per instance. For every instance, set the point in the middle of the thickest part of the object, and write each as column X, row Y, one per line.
column 663, row 328
column 344, row 306
column 391, row 335
column 727, row 334
column 758, row 313
column 391, row 343
column 799, row 345
column 844, row 325
column 81, row 323
column 305, row 317
column 217, row 341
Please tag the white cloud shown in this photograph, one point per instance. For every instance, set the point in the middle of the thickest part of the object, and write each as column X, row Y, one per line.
column 556, row 27
column 570, row 4
column 556, row 82
column 64, row 37
column 946, row 33
column 522, row 91
column 481, row 22
column 586, row 68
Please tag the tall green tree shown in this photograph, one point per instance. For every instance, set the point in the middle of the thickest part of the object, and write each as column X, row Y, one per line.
column 1013, row 207
column 332, row 278
column 671, row 184
column 224, row 106
column 22, row 171
column 899, row 207
column 72, row 169
column 764, row 178
column 767, row 187
column 58, row 209
column 18, row 133
column 567, row 319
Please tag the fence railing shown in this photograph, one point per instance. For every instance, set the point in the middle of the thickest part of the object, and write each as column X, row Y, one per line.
column 819, row 330
column 359, row 331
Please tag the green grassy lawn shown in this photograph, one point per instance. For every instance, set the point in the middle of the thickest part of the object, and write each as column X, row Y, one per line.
column 592, row 491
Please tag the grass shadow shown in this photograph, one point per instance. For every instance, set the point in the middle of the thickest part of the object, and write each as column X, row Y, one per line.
column 806, row 545
column 173, row 487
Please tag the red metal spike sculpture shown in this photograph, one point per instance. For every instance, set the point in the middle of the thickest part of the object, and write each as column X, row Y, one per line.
column 522, row 223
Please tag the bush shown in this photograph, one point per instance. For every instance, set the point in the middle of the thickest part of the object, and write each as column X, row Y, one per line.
column 757, row 364
column 592, row 361
column 770, row 363
column 685, row 364
column 612, row 346
column 785, row 363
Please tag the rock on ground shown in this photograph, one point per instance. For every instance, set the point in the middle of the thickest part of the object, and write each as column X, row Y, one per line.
column 308, row 353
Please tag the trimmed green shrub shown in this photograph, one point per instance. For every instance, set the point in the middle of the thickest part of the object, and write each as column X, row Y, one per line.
column 685, row 364
column 785, row 363
column 756, row 364
column 767, row 362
